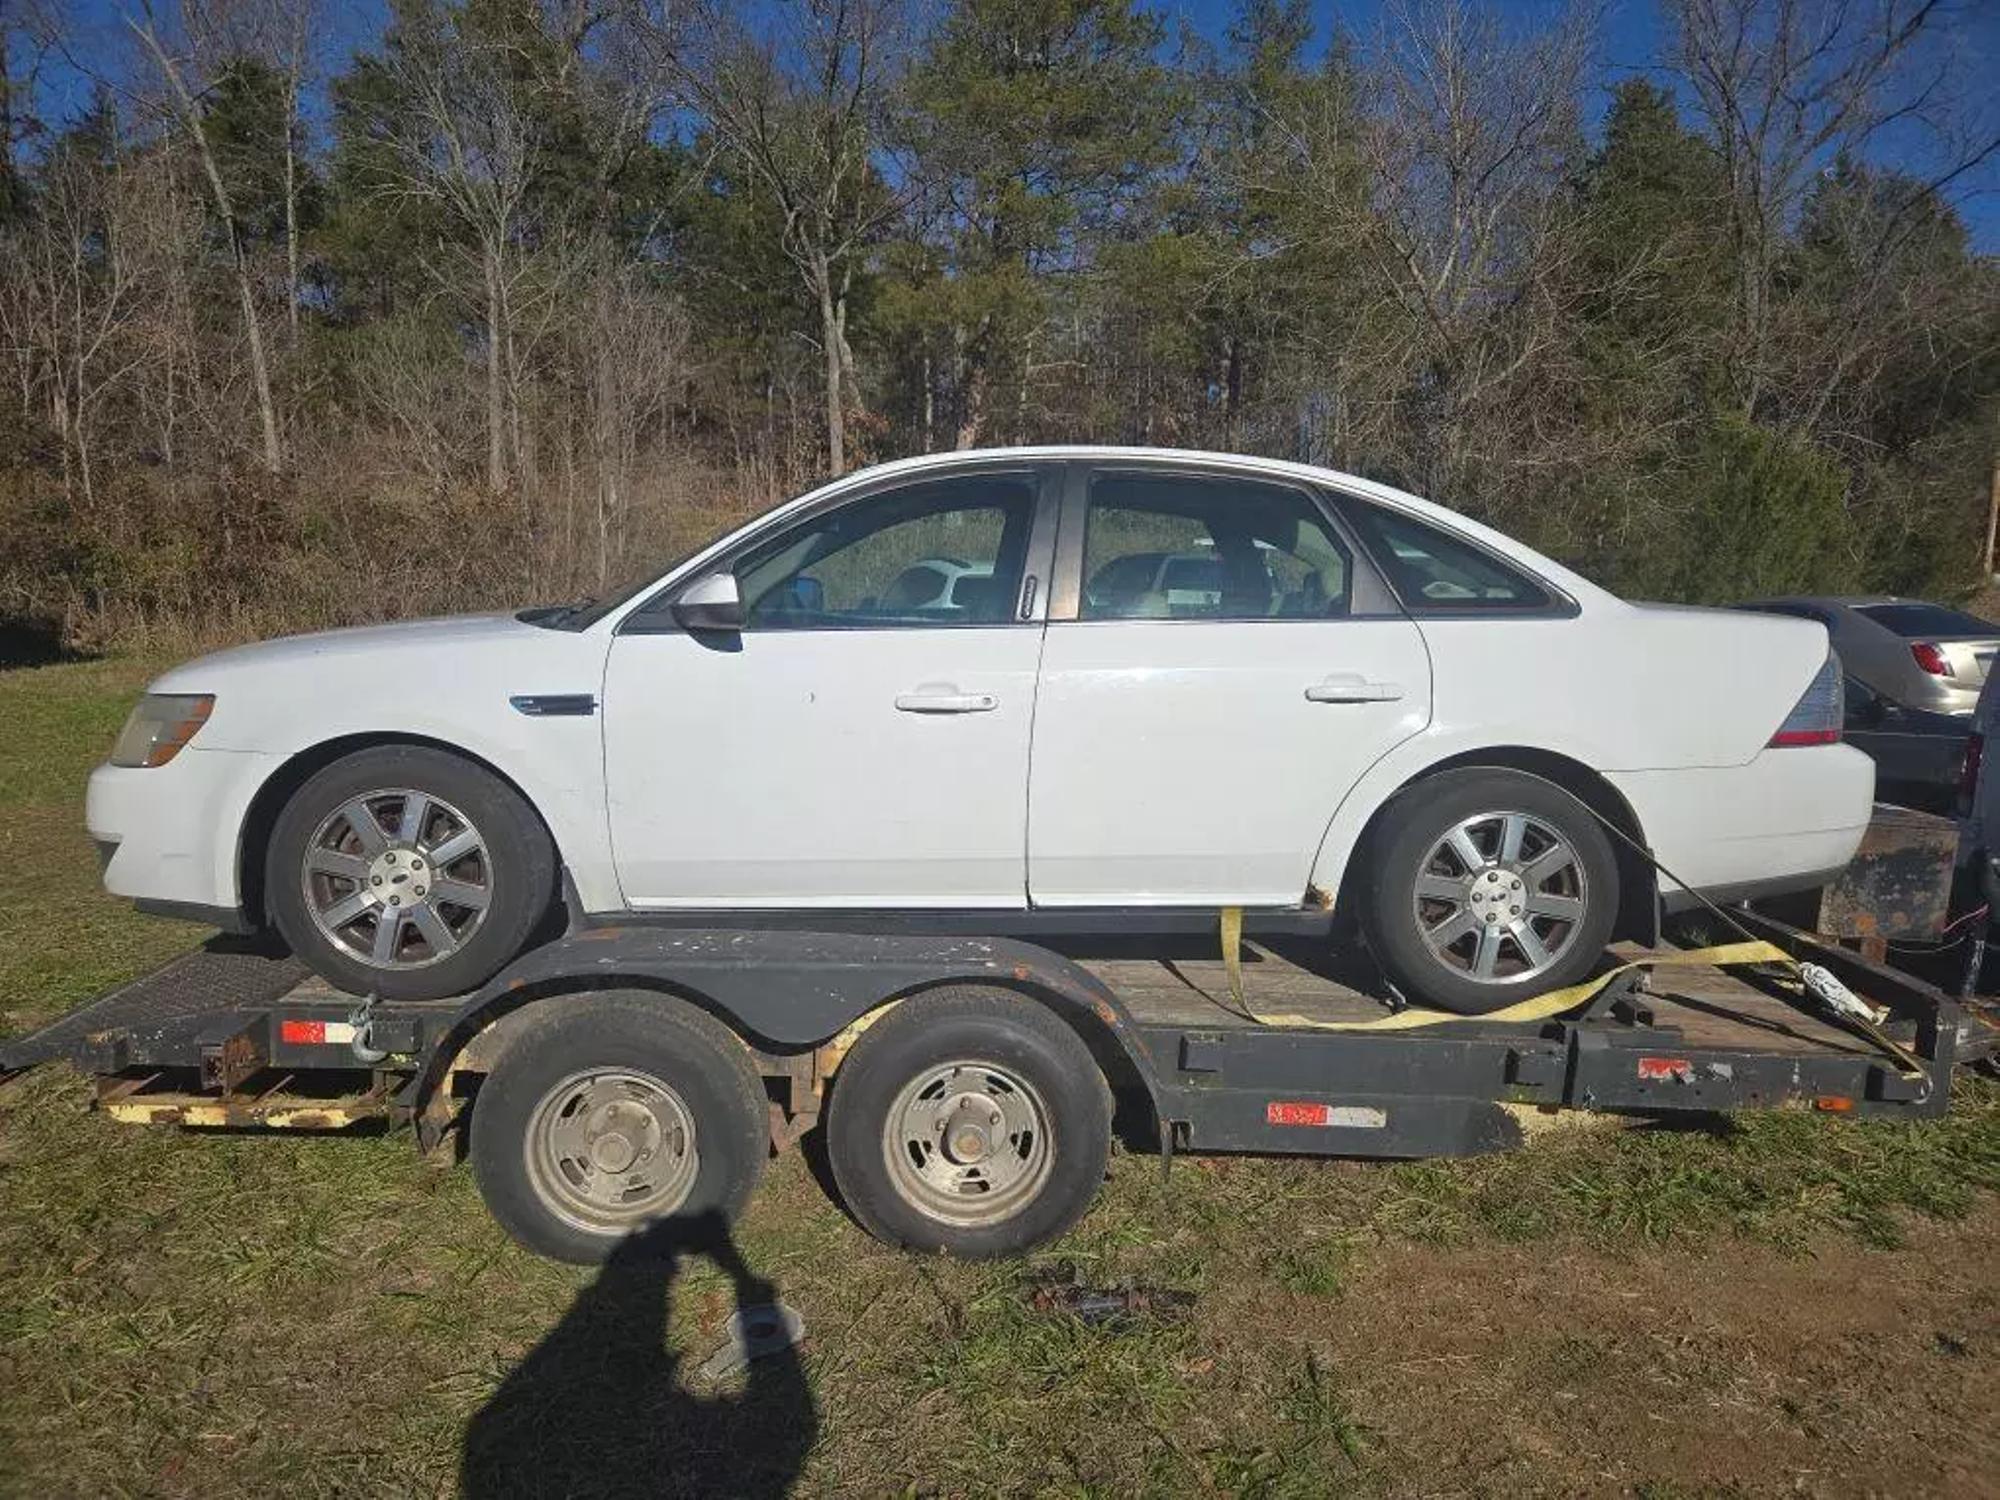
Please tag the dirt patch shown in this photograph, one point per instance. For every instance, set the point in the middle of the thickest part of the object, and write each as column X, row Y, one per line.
column 1553, row 1369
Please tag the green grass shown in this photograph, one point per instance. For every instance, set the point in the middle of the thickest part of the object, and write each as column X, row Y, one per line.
column 185, row 1314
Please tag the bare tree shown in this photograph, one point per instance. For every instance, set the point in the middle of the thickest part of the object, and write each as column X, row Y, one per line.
column 459, row 140
column 69, row 304
column 802, row 114
column 179, row 71
column 1787, row 87
column 632, row 344
column 1466, row 145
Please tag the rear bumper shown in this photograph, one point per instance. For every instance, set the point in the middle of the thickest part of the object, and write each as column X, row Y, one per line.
column 168, row 836
column 1788, row 820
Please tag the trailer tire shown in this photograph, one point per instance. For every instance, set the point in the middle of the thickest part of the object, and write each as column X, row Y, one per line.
column 614, row 1112
column 970, row 1121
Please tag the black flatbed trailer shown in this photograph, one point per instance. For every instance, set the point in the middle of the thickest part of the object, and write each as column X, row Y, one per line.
column 232, row 1035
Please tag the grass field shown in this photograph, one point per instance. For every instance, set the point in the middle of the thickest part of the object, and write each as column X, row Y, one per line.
column 1786, row 1304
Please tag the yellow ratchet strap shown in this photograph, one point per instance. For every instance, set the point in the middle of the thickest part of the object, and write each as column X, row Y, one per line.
column 1537, row 1008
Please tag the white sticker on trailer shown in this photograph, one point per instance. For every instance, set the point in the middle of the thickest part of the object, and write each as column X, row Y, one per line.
column 1325, row 1116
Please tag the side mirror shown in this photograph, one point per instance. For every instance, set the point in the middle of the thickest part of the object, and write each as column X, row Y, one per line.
column 711, row 603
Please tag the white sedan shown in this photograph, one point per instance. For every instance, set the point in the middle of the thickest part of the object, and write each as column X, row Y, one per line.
column 1369, row 704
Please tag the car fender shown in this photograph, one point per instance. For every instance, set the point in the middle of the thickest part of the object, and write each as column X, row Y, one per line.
column 1405, row 763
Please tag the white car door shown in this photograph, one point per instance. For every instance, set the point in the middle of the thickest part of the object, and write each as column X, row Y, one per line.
column 862, row 739
column 1219, row 671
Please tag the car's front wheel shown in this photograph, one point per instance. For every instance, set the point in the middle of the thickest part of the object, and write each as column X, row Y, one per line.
column 407, row 872
column 1487, row 886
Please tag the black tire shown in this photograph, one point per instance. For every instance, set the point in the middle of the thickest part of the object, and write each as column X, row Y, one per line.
column 1396, row 854
column 632, row 1032
column 1003, row 1031
column 520, row 880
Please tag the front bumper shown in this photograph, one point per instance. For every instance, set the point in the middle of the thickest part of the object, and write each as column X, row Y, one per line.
column 168, row 836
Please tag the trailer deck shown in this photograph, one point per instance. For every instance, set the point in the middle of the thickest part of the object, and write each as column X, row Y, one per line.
column 237, row 1035
column 1706, row 1006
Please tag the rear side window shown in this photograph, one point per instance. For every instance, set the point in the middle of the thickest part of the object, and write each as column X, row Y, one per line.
column 1435, row 572
column 1162, row 546
column 1919, row 621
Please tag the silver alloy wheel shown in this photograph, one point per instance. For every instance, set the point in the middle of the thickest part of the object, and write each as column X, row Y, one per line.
column 1500, row 897
column 610, row 1148
column 968, row 1143
column 397, row 878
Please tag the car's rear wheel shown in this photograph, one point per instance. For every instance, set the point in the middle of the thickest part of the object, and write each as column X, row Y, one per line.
column 1486, row 887
column 408, row 872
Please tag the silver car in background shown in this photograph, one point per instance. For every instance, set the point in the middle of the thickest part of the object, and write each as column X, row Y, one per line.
column 1912, row 652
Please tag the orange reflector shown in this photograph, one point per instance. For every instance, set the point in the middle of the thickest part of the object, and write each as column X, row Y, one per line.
column 1833, row 1104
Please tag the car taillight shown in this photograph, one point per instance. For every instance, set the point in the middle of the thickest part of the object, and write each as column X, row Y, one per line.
column 1815, row 718
column 1930, row 659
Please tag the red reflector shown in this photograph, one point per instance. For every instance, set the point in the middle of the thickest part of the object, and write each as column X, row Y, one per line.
column 1930, row 658
column 1833, row 1104
column 1291, row 1112
column 1666, row 1070
column 1806, row 737
column 302, row 1033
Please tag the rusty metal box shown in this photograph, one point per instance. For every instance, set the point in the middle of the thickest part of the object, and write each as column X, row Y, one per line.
column 1899, row 885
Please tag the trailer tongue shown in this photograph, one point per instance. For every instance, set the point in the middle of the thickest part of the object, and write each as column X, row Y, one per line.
column 969, row 1152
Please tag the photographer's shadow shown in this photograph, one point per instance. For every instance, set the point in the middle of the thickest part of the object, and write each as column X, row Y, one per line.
column 598, row 1406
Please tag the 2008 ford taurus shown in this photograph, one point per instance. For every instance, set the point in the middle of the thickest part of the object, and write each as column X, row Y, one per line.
column 1087, row 682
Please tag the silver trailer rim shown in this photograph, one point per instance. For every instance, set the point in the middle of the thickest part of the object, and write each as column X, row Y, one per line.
column 397, row 878
column 1500, row 897
column 968, row 1143
column 611, row 1148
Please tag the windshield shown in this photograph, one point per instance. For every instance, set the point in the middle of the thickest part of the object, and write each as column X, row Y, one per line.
column 581, row 614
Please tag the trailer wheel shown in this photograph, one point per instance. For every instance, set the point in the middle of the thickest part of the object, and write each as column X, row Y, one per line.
column 970, row 1121
column 614, row 1112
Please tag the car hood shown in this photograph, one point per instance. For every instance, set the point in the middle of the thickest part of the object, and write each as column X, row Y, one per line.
column 444, row 678
column 445, row 635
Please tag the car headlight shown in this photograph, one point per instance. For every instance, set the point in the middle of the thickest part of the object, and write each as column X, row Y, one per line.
column 160, row 725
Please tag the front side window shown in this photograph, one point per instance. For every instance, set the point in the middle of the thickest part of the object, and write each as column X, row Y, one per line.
column 1172, row 546
column 1433, row 571
column 936, row 552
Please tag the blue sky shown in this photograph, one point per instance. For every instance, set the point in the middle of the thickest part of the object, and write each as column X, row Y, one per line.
column 1632, row 35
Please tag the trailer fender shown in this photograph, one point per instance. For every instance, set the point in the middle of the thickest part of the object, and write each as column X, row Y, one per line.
column 785, row 992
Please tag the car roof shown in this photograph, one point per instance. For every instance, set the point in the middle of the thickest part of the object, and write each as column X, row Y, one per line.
column 1509, row 547
column 1371, row 489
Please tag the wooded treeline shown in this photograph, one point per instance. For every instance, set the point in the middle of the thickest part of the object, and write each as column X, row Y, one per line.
column 529, row 294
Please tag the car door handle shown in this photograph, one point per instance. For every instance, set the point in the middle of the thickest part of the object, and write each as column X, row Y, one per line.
column 946, row 701
column 1350, row 687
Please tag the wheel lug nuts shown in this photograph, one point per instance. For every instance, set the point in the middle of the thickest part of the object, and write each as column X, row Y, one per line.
column 395, row 900
column 377, row 879
column 420, row 891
